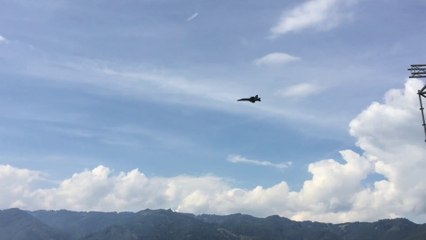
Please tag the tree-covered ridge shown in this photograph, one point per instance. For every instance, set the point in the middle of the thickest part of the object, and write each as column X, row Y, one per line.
column 148, row 224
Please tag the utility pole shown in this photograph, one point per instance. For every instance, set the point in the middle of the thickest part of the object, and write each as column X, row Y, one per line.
column 419, row 71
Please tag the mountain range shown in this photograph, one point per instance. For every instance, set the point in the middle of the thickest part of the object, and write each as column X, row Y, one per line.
column 16, row 224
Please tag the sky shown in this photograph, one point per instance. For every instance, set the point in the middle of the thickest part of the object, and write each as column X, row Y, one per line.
column 127, row 105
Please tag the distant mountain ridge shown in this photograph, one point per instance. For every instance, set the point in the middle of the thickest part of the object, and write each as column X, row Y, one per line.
column 16, row 224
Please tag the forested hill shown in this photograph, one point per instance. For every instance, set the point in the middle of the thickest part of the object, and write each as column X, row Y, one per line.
column 16, row 224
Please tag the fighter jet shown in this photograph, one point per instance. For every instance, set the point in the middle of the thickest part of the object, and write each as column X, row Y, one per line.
column 250, row 99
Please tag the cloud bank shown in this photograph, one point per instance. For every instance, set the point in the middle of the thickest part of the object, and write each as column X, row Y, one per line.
column 389, row 135
column 314, row 14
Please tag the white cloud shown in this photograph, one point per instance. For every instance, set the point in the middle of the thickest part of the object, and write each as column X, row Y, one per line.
column 317, row 14
column 14, row 184
column 391, row 138
column 192, row 17
column 392, row 134
column 275, row 59
column 332, row 187
column 101, row 189
column 3, row 39
column 241, row 159
column 300, row 90
column 389, row 135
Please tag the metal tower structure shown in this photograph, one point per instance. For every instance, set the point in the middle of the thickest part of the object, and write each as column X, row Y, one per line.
column 419, row 71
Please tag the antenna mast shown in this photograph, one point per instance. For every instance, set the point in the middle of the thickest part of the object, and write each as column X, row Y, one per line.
column 419, row 71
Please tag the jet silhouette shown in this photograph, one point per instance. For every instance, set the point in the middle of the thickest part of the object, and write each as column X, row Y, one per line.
column 250, row 99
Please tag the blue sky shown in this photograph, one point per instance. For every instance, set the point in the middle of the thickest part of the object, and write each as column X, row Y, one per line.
column 114, row 86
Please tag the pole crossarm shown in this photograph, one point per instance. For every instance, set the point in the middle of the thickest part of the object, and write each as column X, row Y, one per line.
column 418, row 71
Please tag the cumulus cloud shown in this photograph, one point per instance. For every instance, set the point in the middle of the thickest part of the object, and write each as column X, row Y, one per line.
column 393, row 146
column 102, row 189
column 241, row 159
column 390, row 141
column 275, row 59
column 300, row 90
column 391, row 134
column 15, row 183
column 317, row 14
column 329, row 195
